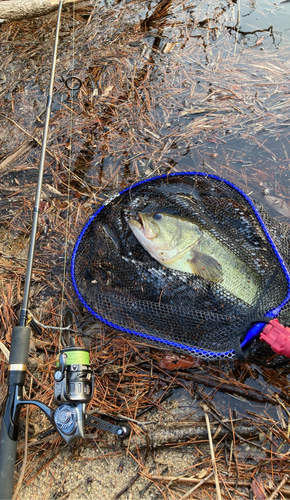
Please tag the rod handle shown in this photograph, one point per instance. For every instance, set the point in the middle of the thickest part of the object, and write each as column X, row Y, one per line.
column 7, row 463
column 19, row 352
column 16, row 377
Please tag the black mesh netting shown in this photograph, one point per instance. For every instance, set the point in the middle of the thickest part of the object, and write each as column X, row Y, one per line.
column 124, row 286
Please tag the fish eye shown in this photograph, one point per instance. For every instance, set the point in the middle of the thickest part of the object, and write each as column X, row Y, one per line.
column 157, row 216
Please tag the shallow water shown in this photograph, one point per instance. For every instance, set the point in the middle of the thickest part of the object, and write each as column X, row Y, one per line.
column 262, row 17
column 196, row 86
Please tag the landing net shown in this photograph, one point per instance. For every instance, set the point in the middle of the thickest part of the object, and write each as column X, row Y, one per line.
column 122, row 285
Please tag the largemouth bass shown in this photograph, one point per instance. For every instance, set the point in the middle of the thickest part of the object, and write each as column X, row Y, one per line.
column 178, row 243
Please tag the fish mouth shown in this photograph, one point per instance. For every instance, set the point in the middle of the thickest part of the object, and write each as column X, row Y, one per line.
column 140, row 221
column 136, row 224
column 147, row 229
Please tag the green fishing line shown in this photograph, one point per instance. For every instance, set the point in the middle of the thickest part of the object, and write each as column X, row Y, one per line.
column 76, row 357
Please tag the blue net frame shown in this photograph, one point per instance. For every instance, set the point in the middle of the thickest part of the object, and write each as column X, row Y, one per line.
column 254, row 330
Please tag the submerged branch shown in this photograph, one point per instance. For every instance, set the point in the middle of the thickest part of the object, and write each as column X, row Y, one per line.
column 172, row 433
column 15, row 10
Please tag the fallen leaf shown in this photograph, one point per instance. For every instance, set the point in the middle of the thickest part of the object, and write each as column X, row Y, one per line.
column 174, row 362
column 259, row 41
column 258, row 489
column 107, row 91
column 202, row 473
column 168, row 47
column 52, row 190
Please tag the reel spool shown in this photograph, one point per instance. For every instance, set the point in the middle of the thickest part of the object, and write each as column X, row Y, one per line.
column 74, row 380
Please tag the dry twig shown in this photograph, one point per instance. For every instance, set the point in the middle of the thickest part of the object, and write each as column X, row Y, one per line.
column 218, row 491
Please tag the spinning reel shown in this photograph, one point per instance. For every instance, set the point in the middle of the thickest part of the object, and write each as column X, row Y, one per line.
column 73, row 390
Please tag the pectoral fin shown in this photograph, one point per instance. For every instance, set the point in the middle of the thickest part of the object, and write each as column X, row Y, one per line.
column 205, row 266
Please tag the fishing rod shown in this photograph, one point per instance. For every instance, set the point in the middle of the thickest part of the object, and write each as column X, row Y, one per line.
column 18, row 359
column 74, row 379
